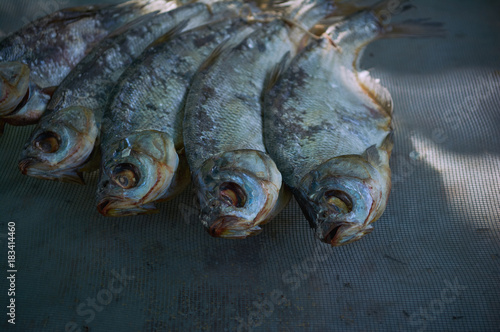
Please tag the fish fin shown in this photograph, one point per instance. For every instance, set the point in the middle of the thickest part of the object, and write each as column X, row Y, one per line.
column 94, row 160
column 70, row 176
column 215, row 54
column 81, row 11
column 275, row 73
column 378, row 155
column 388, row 142
column 420, row 28
column 284, row 197
column 181, row 150
column 372, row 154
column 378, row 93
column 390, row 6
column 170, row 34
column 82, row 180
column 343, row 9
column 72, row 14
column 2, row 127
column 49, row 90
column 138, row 21
column 180, row 180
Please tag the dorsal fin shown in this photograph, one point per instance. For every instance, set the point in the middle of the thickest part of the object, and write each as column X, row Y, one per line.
column 379, row 94
column 420, row 28
column 179, row 28
column 276, row 72
column 49, row 90
column 124, row 28
column 221, row 48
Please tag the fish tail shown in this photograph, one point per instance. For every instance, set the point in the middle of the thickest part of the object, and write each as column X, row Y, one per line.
column 393, row 7
column 377, row 21
column 342, row 9
column 385, row 11
column 414, row 29
column 148, row 6
column 307, row 13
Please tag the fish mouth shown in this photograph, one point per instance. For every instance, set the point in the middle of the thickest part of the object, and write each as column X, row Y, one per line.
column 22, row 103
column 26, row 163
column 27, row 166
column 115, row 207
column 341, row 234
column 232, row 227
column 14, row 87
column 31, row 108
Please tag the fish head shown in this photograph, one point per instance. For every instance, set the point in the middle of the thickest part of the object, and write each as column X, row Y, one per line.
column 342, row 198
column 22, row 102
column 14, row 85
column 61, row 145
column 237, row 192
column 135, row 173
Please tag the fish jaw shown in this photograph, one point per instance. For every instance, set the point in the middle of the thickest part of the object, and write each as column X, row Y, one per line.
column 237, row 191
column 28, row 166
column 136, row 173
column 14, row 86
column 231, row 227
column 342, row 197
column 115, row 207
column 31, row 108
column 60, row 145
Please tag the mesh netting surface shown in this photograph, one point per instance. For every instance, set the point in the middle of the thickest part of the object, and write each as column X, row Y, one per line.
column 432, row 262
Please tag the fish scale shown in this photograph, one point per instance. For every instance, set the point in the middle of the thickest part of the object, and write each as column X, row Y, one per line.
column 228, row 95
column 142, row 127
column 238, row 186
column 52, row 46
column 131, row 108
column 328, row 127
column 91, row 81
column 86, row 91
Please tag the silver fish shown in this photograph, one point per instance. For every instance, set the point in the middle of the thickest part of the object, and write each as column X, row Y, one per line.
column 35, row 59
column 328, row 127
column 142, row 145
column 239, row 187
column 58, row 149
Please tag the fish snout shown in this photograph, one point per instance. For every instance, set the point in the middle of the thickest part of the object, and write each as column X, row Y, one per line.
column 14, row 86
column 341, row 234
column 115, row 207
column 233, row 227
column 103, row 205
column 25, row 164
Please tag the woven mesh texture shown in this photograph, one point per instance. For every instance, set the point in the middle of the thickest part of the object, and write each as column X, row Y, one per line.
column 431, row 264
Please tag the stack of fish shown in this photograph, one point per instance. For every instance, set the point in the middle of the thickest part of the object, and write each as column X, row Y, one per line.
column 251, row 102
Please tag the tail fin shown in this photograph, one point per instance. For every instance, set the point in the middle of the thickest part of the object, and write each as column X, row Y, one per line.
column 394, row 7
column 384, row 10
column 414, row 29
column 148, row 6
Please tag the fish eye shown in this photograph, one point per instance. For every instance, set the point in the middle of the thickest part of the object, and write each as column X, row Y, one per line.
column 232, row 194
column 339, row 201
column 47, row 142
column 126, row 175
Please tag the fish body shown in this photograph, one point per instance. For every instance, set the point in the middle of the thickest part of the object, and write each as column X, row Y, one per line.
column 142, row 129
column 238, row 185
column 329, row 129
column 85, row 92
column 35, row 59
